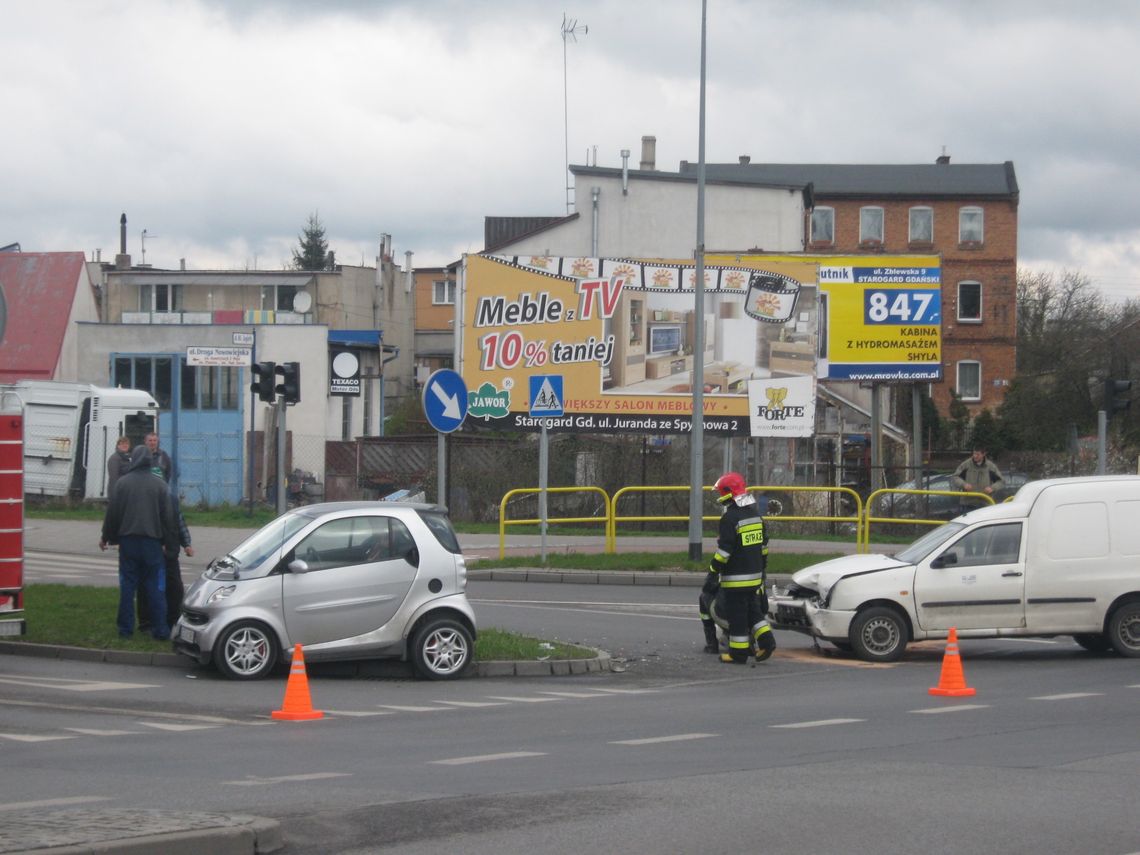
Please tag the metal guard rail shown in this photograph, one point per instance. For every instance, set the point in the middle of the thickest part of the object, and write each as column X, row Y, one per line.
column 504, row 522
column 611, row 534
column 863, row 536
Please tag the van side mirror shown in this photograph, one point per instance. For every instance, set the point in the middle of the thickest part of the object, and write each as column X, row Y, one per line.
column 945, row 560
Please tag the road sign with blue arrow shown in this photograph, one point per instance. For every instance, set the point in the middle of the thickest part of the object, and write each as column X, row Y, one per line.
column 546, row 396
column 445, row 400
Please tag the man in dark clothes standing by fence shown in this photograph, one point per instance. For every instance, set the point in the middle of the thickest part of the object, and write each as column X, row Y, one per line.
column 140, row 519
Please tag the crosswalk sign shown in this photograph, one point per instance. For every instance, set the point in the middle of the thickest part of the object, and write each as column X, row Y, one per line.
column 546, row 396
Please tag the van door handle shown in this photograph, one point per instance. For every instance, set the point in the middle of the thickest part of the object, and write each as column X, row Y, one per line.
column 1011, row 573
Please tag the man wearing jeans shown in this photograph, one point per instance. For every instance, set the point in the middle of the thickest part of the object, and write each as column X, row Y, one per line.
column 140, row 520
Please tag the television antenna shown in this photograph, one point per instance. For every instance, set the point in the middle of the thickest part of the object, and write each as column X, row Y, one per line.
column 145, row 234
column 570, row 30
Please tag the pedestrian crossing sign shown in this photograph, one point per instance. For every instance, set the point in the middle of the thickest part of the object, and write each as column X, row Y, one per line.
column 546, row 396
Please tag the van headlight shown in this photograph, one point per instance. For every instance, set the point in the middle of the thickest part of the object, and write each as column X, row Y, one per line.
column 221, row 594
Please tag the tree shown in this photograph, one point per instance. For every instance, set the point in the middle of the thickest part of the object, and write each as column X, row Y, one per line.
column 312, row 252
column 1069, row 338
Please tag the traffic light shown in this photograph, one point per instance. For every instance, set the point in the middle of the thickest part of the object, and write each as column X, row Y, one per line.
column 1114, row 396
column 290, row 386
column 263, row 380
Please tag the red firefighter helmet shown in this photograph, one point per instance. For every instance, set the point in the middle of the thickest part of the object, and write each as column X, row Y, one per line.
column 730, row 485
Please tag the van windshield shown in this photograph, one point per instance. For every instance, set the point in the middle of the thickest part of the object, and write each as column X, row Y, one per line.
column 929, row 542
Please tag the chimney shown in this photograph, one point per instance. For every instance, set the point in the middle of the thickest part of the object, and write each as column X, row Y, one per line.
column 745, row 159
column 649, row 153
column 944, row 157
column 123, row 260
column 409, row 274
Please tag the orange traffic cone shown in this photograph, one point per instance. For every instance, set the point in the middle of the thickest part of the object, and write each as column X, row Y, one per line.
column 952, row 682
column 297, row 705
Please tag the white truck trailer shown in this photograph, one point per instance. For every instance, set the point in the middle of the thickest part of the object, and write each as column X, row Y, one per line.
column 70, row 430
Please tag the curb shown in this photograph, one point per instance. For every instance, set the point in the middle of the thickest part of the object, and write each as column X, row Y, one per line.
column 141, row 832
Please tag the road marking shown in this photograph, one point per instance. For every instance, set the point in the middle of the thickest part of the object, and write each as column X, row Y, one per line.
column 487, row 758
column 521, row 700
column 28, row 737
column 1068, row 696
column 396, row 708
column 286, row 779
column 212, row 719
column 958, row 708
column 72, row 685
column 628, row 691
column 87, row 731
column 827, row 722
column 73, row 800
column 161, row 725
column 575, row 694
column 474, row 704
column 358, row 713
column 680, row 737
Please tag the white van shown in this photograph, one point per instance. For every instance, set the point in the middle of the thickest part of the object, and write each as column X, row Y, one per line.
column 1061, row 558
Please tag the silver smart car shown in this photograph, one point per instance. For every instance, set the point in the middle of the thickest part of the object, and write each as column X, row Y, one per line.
column 347, row 580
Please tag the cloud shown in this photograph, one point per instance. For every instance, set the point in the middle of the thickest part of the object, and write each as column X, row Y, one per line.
column 219, row 126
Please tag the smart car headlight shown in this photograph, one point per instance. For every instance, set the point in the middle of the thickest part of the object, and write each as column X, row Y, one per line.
column 221, row 594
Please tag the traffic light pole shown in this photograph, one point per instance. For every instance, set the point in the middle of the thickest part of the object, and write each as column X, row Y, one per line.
column 282, row 487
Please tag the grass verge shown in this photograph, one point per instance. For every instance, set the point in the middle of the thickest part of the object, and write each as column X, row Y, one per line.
column 84, row 616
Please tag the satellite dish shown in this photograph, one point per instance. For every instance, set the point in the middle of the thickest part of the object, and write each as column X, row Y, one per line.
column 302, row 301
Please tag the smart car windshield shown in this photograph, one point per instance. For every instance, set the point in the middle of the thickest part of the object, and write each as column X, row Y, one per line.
column 929, row 542
column 261, row 544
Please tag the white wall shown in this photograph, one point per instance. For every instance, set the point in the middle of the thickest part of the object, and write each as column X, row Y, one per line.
column 658, row 219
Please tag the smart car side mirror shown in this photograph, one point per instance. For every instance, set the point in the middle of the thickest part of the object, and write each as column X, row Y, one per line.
column 412, row 556
column 299, row 566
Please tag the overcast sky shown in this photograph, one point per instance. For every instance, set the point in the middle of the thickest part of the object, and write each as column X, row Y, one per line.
column 219, row 126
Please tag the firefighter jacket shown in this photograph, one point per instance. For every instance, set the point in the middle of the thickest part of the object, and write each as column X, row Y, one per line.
column 742, row 547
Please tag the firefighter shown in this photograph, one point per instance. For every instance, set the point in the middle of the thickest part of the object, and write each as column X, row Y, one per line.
column 736, row 573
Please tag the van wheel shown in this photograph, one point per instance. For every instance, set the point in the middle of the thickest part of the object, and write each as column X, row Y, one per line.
column 246, row 651
column 1094, row 643
column 878, row 634
column 1124, row 629
column 442, row 649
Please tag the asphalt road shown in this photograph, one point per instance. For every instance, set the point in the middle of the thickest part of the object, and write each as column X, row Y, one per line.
column 809, row 752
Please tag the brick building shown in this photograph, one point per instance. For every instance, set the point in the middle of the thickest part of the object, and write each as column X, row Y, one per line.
column 967, row 213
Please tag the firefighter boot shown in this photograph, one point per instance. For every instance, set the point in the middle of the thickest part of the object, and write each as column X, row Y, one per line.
column 711, row 645
column 764, row 641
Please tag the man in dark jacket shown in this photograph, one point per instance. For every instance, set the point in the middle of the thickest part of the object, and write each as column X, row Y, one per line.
column 118, row 462
column 160, row 460
column 736, row 573
column 140, row 520
column 175, row 589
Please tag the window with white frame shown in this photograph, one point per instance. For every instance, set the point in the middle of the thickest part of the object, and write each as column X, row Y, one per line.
column 278, row 297
column 922, row 225
column 969, row 385
column 160, row 297
column 971, row 226
column 823, row 225
column 870, row 225
column 970, row 302
column 443, row 293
